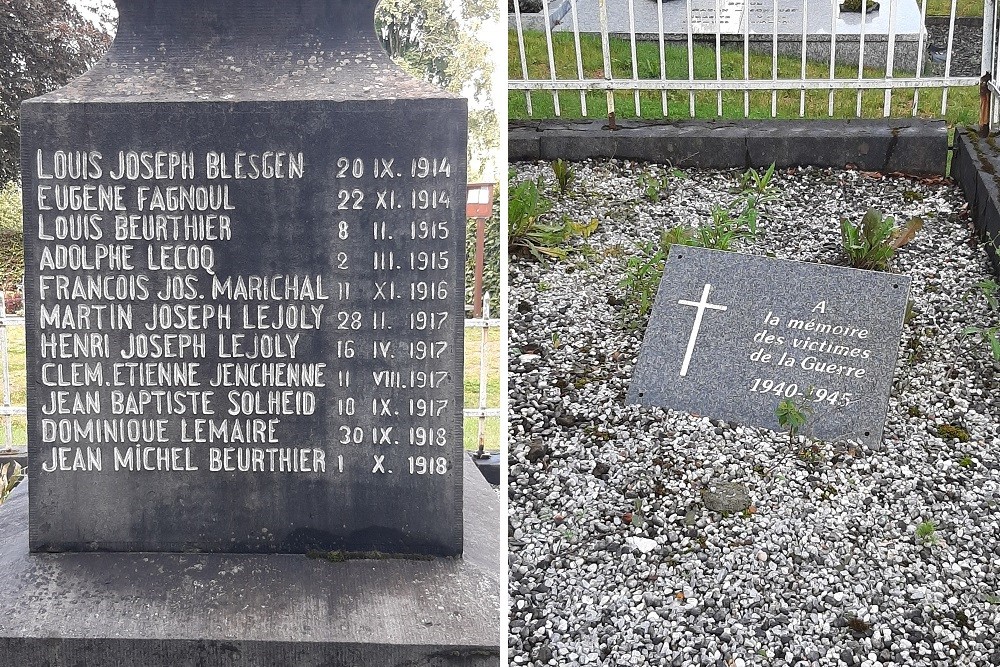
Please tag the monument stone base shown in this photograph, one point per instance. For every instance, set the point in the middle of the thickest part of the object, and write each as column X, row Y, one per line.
column 183, row 610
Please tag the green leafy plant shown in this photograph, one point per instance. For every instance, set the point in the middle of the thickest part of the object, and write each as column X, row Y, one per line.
column 643, row 272
column 755, row 191
column 926, row 532
column 528, row 232
column 873, row 242
column 965, row 461
column 738, row 221
column 565, row 174
column 11, row 475
column 679, row 235
column 654, row 188
column 638, row 517
column 989, row 335
column 949, row 431
column 792, row 416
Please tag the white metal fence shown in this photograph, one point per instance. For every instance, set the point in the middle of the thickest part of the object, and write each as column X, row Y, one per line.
column 889, row 51
column 482, row 412
column 990, row 115
column 11, row 327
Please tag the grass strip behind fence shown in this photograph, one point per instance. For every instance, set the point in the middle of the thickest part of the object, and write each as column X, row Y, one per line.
column 963, row 102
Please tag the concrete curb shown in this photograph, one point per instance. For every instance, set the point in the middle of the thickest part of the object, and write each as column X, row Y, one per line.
column 913, row 146
column 975, row 168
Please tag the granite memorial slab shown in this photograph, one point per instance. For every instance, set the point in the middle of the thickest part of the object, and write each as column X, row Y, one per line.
column 732, row 335
column 244, row 241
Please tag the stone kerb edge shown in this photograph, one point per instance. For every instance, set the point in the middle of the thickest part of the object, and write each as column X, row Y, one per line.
column 912, row 146
column 975, row 171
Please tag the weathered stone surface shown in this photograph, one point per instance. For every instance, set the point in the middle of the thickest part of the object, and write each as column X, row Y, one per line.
column 275, row 364
column 226, row 610
column 908, row 145
column 975, row 168
column 732, row 335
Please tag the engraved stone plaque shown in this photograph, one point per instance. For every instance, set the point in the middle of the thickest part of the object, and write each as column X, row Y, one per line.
column 733, row 335
column 244, row 237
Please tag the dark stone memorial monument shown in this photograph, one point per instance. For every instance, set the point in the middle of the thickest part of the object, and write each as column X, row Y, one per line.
column 732, row 335
column 244, row 306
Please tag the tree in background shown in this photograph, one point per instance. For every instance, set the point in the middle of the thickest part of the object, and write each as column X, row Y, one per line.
column 43, row 45
column 438, row 41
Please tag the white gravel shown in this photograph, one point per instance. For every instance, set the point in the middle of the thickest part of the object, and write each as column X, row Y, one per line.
column 827, row 569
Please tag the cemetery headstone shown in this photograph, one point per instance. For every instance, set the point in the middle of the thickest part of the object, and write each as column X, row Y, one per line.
column 733, row 335
column 244, row 290
column 759, row 19
column 244, row 247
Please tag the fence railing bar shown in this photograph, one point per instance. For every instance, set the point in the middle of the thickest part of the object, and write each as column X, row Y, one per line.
column 579, row 56
column 746, row 63
column 996, row 63
column 802, row 69
column 552, row 57
column 920, row 54
column 833, row 51
column 947, row 58
column 483, row 341
column 718, row 56
column 989, row 28
column 635, row 59
column 482, row 413
column 889, row 59
column 774, row 57
column 480, row 322
column 602, row 7
column 664, row 103
column 861, row 53
column 690, row 57
column 520, row 49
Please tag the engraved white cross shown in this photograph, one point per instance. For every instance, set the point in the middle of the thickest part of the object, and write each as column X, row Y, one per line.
column 701, row 306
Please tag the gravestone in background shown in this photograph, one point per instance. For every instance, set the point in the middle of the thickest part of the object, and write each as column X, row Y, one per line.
column 244, row 291
column 244, row 302
column 756, row 18
column 732, row 335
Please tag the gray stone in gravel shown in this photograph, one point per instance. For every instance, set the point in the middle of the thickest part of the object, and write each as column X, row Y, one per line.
column 731, row 335
column 726, row 497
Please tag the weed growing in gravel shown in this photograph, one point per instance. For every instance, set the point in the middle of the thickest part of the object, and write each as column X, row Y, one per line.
column 792, row 416
column 755, row 192
column 736, row 222
column 564, row 173
column 965, row 461
column 949, row 431
column 529, row 233
column 872, row 243
column 926, row 532
column 989, row 335
column 642, row 278
column 638, row 517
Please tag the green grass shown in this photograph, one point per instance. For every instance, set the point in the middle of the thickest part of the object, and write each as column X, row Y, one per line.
column 472, row 357
column 15, row 357
column 962, row 7
column 963, row 103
